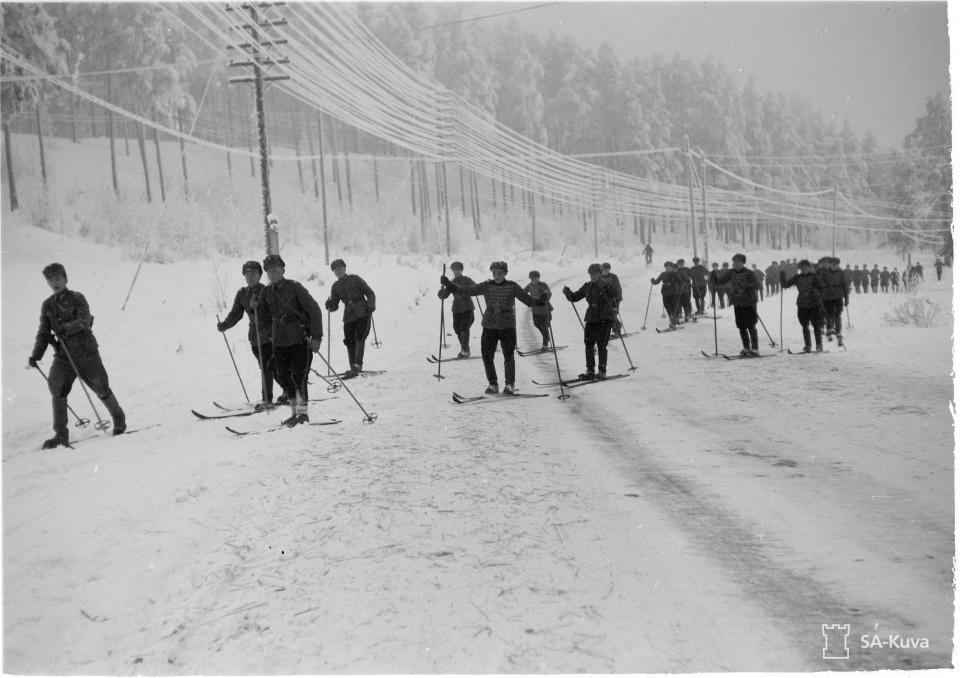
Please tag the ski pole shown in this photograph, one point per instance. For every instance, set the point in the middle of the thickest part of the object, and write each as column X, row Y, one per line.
column 623, row 330
column 227, row 344
column 329, row 328
column 578, row 314
column 369, row 417
column 781, row 319
column 773, row 344
column 263, row 376
column 716, row 347
column 376, row 343
column 442, row 330
column 622, row 341
column 553, row 345
column 649, row 293
column 80, row 422
column 332, row 386
column 102, row 424
column 849, row 326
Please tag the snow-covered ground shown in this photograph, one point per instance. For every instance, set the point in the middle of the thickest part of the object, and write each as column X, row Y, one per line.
column 699, row 515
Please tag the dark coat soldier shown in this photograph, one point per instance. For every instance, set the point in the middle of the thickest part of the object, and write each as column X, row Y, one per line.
column 541, row 314
column 359, row 303
column 836, row 295
column 461, row 308
column 597, row 321
column 742, row 289
column 698, row 273
column 66, row 323
column 670, row 292
column 259, row 332
column 296, row 334
column 808, row 302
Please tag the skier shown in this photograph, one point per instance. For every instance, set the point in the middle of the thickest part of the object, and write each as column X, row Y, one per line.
column 499, row 322
column 856, row 278
column 759, row 275
column 874, row 278
column 712, row 286
column 359, row 303
column 939, row 266
column 461, row 308
column 65, row 322
column 614, row 282
column 258, row 332
column 884, row 280
column 895, row 280
column 541, row 314
column 808, row 302
column 670, row 292
column 835, row 293
column 686, row 284
column 743, row 285
column 296, row 334
column 648, row 253
column 698, row 273
column 772, row 277
column 597, row 321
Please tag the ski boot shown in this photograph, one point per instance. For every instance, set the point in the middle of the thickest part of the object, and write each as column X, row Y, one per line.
column 839, row 340
column 745, row 353
column 589, row 375
column 819, row 348
column 492, row 389
column 508, row 389
column 463, row 354
column 56, row 441
column 806, row 348
column 601, row 375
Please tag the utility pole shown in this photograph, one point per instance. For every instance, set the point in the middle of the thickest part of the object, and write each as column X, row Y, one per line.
column 693, row 218
column 703, row 202
column 834, row 252
column 258, row 62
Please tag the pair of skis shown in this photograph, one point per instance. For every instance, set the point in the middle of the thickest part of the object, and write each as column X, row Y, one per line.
column 578, row 382
column 465, row 400
column 738, row 357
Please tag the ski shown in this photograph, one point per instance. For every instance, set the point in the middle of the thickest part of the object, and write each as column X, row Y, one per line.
column 329, row 422
column 363, row 373
column 748, row 357
column 805, row 352
column 125, row 433
column 587, row 382
column 434, row 359
column 565, row 382
column 624, row 335
column 538, row 351
column 669, row 329
column 464, row 400
column 248, row 408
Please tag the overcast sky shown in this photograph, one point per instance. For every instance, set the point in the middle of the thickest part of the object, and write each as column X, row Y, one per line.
column 874, row 63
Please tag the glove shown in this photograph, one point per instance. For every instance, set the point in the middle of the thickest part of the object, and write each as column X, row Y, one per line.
column 846, row 301
column 653, row 281
column 445, row 281
column 315, row 345
column 220, row 327
column 32, row 361
column 372, row 307
column 329, row 305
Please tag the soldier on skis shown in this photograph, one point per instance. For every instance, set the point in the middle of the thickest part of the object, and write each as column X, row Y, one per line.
column 259, row 331
column 742, row 289
column 541, row 314
column 461, row 308
column 808, row 302
column 66, row 323
column 670, row 292
column 359, row 303
column 499, row 322
column 296, row 334
column 597, row 321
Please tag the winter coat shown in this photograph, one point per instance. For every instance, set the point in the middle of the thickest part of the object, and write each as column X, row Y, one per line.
column 246, row 299
column 671, row 283
column 67, row 315
column 614, row 283
column 500, row 298
column 741, row 286
column 461, row 302
column 808, row 288
column 359, row 301
column 297, row 317
column 601, row 300
column 835, row 285
column 698, row 274
column 686, row 281
column 540, row 290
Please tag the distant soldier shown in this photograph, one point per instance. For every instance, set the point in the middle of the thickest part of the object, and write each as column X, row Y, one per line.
column 698, row 274
column 808, row 302
column 939, row 266
column 772, row 277
column 670, row 292
column 648, row 253
column 759, row 275
column 885, row 280
column 895, row 280
column 855, row 278
column 874, row 278
column 835, row 293
column 686, row 285
column 715, row 291
column 359, row 303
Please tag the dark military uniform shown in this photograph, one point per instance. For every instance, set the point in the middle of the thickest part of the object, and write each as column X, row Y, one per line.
column 66, row 323
column 808, row 304
column 259, row 333
column 462, row 310
column 359, row 302
column 541, row 314
column 742, row 289
column 698, row 274
column 597, row 321
column 670, row 292
column 296, row 320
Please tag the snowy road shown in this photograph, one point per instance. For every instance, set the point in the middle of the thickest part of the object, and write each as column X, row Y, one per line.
column 698, row 516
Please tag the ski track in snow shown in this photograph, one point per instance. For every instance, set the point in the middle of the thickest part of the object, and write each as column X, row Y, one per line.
column 698, row 516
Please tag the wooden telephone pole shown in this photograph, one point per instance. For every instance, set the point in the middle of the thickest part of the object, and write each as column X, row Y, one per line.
column 258, row 61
